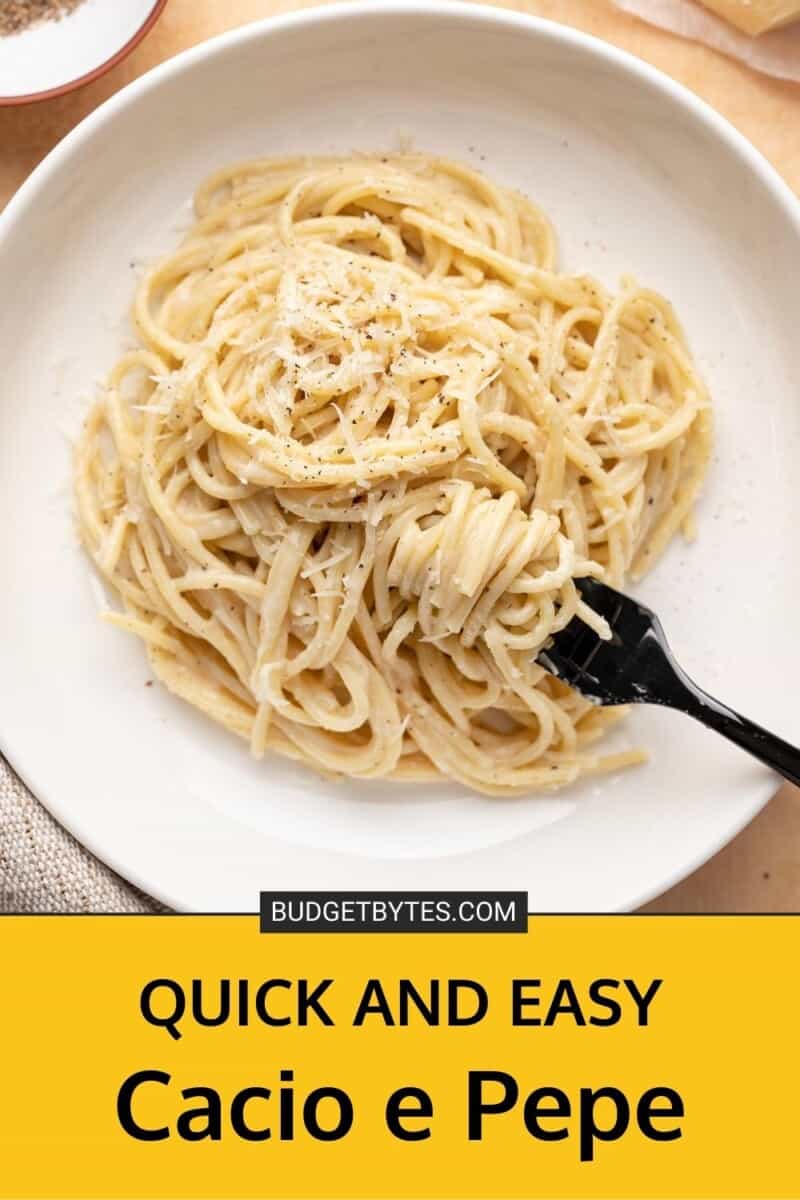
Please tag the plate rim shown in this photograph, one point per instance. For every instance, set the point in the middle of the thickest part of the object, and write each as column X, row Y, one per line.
column 621, row 60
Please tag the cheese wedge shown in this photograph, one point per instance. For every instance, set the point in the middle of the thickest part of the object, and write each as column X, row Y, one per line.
column 756, row 16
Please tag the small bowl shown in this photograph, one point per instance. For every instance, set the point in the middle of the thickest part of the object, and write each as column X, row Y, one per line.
column 51, row 58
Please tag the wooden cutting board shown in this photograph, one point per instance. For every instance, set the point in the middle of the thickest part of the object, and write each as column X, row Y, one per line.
column 760, row 870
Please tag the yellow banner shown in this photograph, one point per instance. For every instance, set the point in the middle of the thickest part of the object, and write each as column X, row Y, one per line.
column 590, row 1057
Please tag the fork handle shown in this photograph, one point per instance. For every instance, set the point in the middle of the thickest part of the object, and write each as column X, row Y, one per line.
column 769, row 749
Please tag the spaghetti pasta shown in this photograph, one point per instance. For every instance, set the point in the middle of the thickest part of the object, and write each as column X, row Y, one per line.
column 368, row 443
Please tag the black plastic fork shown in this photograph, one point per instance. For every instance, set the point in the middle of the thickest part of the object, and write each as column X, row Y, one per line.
column 636, row 667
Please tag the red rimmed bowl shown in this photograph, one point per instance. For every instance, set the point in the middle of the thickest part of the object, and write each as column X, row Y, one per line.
column 51, row 58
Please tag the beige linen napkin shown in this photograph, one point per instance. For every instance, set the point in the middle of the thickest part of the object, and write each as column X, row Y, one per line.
column 44, row 870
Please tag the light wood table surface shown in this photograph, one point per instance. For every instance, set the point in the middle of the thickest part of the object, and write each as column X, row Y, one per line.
column 760, row 870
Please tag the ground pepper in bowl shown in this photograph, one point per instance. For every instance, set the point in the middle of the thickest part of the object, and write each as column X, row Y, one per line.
column 16, row 15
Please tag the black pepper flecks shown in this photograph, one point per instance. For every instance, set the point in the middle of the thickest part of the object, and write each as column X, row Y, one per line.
column 18, row 15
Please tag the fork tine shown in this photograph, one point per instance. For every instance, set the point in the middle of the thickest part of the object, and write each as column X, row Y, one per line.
column 598, row 667
column 603, row 599
column 610, row 603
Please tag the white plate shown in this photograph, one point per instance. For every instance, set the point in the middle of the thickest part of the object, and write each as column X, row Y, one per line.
column 52, row 57
column 638, row 175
